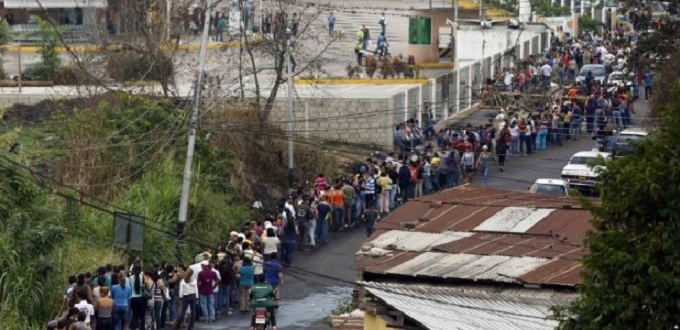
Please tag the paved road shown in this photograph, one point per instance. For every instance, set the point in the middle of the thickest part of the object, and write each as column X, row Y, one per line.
column 306, row 298
column 521, row 172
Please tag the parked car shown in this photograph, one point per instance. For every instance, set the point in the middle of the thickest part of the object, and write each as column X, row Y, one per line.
column 598, row 71
column 622, row 145
column 618, row 78
column 581, row 173
column 550, row 187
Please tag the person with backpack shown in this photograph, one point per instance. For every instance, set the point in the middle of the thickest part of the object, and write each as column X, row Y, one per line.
column 138, row 299
column 303, row 212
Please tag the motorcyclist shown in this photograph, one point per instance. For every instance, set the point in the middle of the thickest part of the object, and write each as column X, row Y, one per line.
column 262, row 295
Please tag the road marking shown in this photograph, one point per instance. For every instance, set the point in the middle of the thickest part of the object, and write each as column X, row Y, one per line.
column 349, row 88
column 395, row 87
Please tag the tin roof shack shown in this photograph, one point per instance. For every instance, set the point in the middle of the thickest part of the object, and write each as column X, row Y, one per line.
column 473, row 258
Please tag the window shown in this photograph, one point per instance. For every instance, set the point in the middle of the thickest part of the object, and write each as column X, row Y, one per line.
column 578, row 160
column 420, row 31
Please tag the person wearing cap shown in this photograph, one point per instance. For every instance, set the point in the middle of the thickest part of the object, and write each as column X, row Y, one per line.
column 207, row 282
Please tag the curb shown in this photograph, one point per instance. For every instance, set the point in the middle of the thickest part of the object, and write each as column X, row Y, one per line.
column 93, row 48
column 374, row 81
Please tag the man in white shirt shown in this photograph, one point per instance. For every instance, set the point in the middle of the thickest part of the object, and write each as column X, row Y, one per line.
column 84, row 306
column 546, row 73
column 197, row 268
column 509, row 80
column 289, row 206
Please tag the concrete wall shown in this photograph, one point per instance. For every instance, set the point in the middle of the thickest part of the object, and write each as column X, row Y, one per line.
column 475, row 43
column 351, row 120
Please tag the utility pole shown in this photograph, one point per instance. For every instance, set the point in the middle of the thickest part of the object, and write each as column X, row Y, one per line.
column 291, row 116
column 191, row 144
column 168, row 15
column 454, row 35
column 481, row 17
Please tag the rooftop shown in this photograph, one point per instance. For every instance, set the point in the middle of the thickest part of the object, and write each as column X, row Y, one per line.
column 471, row 308
column 487, row 235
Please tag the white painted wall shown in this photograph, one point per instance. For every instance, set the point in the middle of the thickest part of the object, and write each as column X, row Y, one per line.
column 475, row 44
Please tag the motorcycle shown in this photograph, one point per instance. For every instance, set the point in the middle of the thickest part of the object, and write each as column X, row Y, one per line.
column 262, row 318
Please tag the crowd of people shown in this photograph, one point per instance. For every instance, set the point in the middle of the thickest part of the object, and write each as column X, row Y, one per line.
column 243, row 273
column 247, row 270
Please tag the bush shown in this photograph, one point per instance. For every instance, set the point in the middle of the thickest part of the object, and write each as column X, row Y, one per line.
column 39, row 72
column 71, row 75
column 131, row 66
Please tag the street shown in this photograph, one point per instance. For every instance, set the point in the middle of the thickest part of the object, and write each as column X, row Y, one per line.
column 308, row 298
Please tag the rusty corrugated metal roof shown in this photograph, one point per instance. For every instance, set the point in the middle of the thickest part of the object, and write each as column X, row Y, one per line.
column 557, row 272
column 539, row 237
column 415, row 240
column 513, row 245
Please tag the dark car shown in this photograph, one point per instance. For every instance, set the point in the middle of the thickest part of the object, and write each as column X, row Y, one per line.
column 623, row 143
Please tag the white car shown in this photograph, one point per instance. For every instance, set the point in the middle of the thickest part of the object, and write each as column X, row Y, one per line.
column 550, row 187
column 580, row 173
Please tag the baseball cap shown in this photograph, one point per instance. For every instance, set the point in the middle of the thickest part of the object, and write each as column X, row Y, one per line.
column 205, row 263
column 241, row 235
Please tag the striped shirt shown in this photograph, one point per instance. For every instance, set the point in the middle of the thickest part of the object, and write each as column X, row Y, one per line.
column 370, row 185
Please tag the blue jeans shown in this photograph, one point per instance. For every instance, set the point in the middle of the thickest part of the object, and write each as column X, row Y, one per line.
column 120, row 317
column 427, row 184
column 617, row 120
column 514, row 145
column 338, row 217
column 189, row 302
column 322, row 230
column 393, row 195
column 575, row 130
column 224, row 298
column 524, row 142
column 207, row 306
column 485, row 175
column 288, row 249
column 312, row 231
column 542, row 141
column 172, row 307
column 455, row 178
column 157, row 308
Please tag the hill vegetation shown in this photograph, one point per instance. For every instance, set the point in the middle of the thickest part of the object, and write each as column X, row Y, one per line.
column 75, row 161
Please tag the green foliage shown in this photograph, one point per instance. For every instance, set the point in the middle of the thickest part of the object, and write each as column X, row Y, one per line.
column 545, row 8
column 631, row 278
column 49, row 42
column 344, row 307
column 30, row 232
column 588, row 23
column 132, row 66
column 5, row 35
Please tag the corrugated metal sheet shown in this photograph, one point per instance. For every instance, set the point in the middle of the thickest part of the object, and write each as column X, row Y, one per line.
column 506, row 225
column 514, row 219
column 557, row 272
column 415, row 241
column 571, row 225
column 446, row 308
column 513, row 246
column 468, row 266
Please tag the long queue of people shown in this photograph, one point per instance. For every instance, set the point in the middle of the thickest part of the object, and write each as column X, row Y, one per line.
column 244, row 273
column 589, row 107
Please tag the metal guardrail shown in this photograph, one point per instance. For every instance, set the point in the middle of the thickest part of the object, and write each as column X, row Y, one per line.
column 27, row 34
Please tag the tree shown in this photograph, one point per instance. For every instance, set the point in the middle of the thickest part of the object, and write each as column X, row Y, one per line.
column 546, row 8
column 631, row 278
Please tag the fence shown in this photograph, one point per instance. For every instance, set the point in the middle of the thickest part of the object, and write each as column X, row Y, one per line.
column 453, row 92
